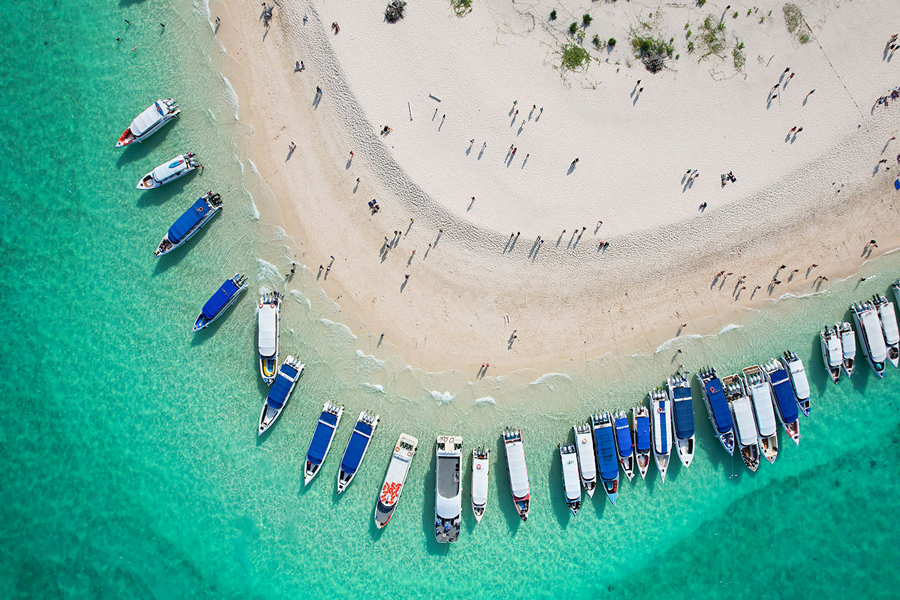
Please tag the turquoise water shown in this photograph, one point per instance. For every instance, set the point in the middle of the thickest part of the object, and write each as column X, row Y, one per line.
column 131, row 468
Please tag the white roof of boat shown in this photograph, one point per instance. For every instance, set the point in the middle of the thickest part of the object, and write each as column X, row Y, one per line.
column 448, row 508
column 835, row 351
column 586, row 460
column 889, row 322
column 570, row 476
column 397, row 470
column 479, row 480
column 176, row 165
column 268, row 330
column 765, row 411
column 848, row 343
column 661, row 428
column 518, row 472
column 146, row 120
column 743, row 414
column 798, row 377
column 872, row 326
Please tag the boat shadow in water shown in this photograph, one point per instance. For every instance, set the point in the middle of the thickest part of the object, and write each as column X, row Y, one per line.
column 160, row 195
column 501, row 484
column 134, row 152
column 173, row 258
column 556, row 490
column 429, row 481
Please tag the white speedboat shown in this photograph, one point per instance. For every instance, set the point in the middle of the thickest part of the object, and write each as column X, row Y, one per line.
column 682, row 416
column 188, row 224
column 268, row 318
column 480, row 468
column 848, row 346
column 745, row 424
column 587, row 461
column 640, row 422
column 785, row 400
column 832, row 353
column 794, row 366
column 323, row 436
column 605, row 445
column 394, row 479
column 149, row 122
column 517, row 469
column 448, row 489
column 624, row 443
column 717, row 407
column 280, row 392
column 661, row 424
column 356, row 449
column 169, row 171
column 871, row 335
column 760, row 392
column 571, row 484
column 888, row 317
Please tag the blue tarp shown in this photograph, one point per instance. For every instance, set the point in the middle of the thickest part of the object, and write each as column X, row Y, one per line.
column 321, row 438
column 188, row 220
column 623, row 435
column 359, row 441
column 663, row 420
column 784, row 396
column 606, row 453
column 278, row 393
column 684, row 413
column 643, row 433
column 718, row 405
column 218, row 301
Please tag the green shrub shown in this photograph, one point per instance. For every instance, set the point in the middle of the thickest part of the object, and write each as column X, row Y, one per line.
column 712, row 35
column 690, row 46
column 553, row 15
column 735, row 15
column 793, row 17
column 461, row 7
column 586, row 19
column 689, row 33
column 652, row 52
column 701, row 2
column 596, row 41
column 573, row 28
column 804, row 38
column 611, row 43
column 739, row 57
column 574, row 57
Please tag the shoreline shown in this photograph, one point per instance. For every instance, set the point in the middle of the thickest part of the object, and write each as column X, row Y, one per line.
column 455, row 320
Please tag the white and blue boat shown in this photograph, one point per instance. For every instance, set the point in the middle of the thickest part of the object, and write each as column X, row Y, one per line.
column 356, row 449
column 888, row 317
column 683, row 416
column 188, row 224
column 624, row 443
column 481, row 466
column 587, row 463
column 640, row 417
column 745, row 423
column 661, row 425
column 794, row 366
column 717, row 407
column 605, row 444
column 871, row 335
column 149, row 122
column 280, row 392
column 321, row 440
column 517, row 470
column 571, row 483
column 760, row 392
column 785, row 400
column 268, row 319
column 219, row 302
column 168, row 172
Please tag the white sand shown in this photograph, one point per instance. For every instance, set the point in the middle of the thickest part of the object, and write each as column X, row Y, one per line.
column 465, row 298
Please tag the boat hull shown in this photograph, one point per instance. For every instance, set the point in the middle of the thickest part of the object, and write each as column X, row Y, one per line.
column 127, row 138
column 162, row 249
column 725, row 438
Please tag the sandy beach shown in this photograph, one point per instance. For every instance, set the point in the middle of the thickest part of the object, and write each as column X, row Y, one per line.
column 519, row 277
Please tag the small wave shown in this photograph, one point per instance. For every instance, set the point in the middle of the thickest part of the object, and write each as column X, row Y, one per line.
column 301, row 299
column 280, row 234
column 729, row 328
column 253, row 167
column 339, row 328
column 268, row 272
column 484, row 401
column 441, row 399
column 669, row 343
column 375, row 387
column 549, row 378
column 232, row 97
column 367, row 362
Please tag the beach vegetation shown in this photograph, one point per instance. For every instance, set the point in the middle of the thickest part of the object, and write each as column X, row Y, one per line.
column 735, row 15
column 653, row 52
column 596, row 41
column 793, row 17
column 677, row 56
column 611, row 43
column 586, row 20
column 574, row 57
column 701, row 2
column 690, row 46
column 689, row 34
column 804, row 38
column 394, row 11
column 739, row 56
column 461, row 7
column 749, row 11
column 553, row 15
column 712, row 36
column 573, row 28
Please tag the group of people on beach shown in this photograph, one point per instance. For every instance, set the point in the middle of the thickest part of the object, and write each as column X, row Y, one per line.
column 892, row 95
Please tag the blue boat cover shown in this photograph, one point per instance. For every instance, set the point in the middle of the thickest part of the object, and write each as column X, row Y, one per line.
column 660, row 408
column 623, row 433
column 718, row 405
column 606, row 453
column 784, row 396
column 359, row 441
column 278, row 393
column 321, row 438
column 643, row 433
column 684, row 413
column 188, row 220
column 218, row 300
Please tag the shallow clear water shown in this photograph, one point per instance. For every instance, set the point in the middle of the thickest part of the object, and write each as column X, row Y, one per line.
column 131, row 466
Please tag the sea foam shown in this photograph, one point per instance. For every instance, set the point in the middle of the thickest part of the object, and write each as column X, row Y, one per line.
column 485, row 401
column 232, row 97
column 549, row 378
column 375, row 387
column 441, row 399
column 338, row 329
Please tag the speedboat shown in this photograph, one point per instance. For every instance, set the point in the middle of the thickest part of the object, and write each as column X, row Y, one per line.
column 322, row 438
column 571, row 484
column 745, row 424
column 480, row 467
column 661, row 425
column 519, row 485
column 188, row 224
column 605, row 445
column 760, row 392
column 832, row 353
column 785, row 400
column 717, row 407
column 219, row 302
column 149, row 122
column 888, row 317
column 794, row 366
column 268, row 318
column 356, row 448
column 683, row 416
column 624, row 443
column 848, row 346
column 640, row 418
column 279, row 393
column 394, row 479
column 587, row 463
column 448, row 489
column 871, row 336
column 169, row 171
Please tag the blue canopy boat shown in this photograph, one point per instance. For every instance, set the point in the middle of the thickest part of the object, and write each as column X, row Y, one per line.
column 717, row 407
column 624, row 443
column 683, row 415
column 280, row 392
column 224, row 297
column 190, row 223
column 641, row 434
column 322, row 438
column 605, row 442
column 356, row 449
column 785, row 399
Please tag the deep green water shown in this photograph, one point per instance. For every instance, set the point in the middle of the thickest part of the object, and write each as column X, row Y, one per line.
column 130, row 464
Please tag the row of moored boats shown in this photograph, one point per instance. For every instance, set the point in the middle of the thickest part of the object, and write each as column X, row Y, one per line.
column 879, row 337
